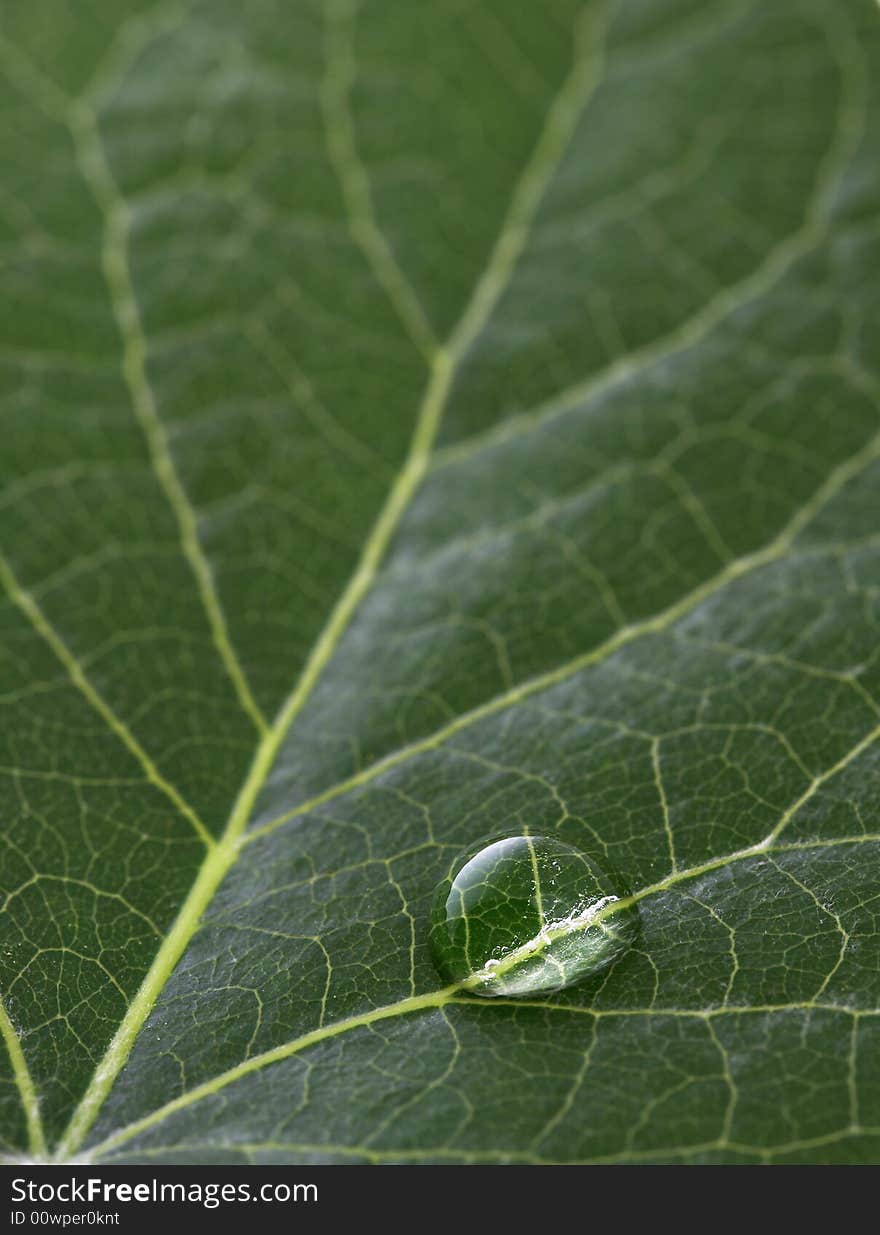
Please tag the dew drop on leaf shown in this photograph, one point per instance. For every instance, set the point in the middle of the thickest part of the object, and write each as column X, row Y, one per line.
column 526, row 914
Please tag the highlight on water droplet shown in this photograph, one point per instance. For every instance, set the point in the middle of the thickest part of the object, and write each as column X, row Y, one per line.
column 526, row 914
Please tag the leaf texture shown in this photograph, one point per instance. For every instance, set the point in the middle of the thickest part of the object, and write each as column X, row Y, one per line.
column 423, row 422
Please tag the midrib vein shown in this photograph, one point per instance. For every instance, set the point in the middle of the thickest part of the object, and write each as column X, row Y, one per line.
column 96, row 172
column 223, row 855
column 549, row 150
column 458, row 993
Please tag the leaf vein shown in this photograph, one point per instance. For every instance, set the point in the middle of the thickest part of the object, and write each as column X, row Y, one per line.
column 775, row 551
column 448, row 995
column 25, row 603
column 115, row 262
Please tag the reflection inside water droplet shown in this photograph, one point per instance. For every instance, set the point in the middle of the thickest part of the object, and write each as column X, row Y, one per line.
column 526, row 914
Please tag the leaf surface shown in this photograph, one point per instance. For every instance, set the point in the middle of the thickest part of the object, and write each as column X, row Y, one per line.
column 424, row 422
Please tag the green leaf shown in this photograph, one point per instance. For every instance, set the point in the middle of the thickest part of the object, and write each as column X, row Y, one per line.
column 423, row 422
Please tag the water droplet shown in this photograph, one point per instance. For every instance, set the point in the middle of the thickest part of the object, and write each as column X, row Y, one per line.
column 526, row 914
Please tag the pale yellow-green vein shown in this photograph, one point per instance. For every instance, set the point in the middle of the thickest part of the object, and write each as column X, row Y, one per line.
column 24, row 1083
column 80, row 118
column 722, row 307
column 339, row 131
column 460, row 992
column 115, row 262
column 27, row 605
column 226, row 850
column 500, row 266
column 775, row 551
column 414, row 1003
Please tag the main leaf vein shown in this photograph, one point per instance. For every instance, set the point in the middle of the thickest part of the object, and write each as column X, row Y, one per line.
column 550, row 148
